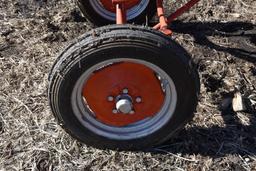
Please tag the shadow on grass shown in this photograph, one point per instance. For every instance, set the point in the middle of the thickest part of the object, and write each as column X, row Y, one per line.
column 241, row 33
column 234, row 138
column 215, row 141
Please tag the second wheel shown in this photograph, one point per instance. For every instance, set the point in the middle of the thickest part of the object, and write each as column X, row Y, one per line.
column 102, row 12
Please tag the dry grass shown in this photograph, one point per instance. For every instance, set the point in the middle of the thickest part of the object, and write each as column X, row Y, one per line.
column 33, row 32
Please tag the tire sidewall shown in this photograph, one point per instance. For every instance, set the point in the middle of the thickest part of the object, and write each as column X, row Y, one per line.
column 165, row 58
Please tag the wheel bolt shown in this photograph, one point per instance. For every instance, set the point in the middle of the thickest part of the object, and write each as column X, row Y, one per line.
column 110, row 98
column 114, row 111
column 125, row 91
column 138, row 99
column 132, row 112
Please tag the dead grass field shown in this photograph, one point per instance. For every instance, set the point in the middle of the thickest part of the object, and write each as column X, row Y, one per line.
column 221, row 37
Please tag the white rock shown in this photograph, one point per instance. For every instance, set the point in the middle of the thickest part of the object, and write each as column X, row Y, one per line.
column 247, row 159
column 237, row 103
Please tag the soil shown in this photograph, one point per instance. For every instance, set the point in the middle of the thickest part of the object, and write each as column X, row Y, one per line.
column 219, row 35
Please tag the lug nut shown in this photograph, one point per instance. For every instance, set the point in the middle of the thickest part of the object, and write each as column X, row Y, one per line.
column 132, row 112
column 125, row 91
column 114, row 111
column 110, row 98
column 138, row 99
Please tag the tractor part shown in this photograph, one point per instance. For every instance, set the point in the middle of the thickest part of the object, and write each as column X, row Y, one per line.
column 164, row 21
column 123, row 87
column 103, row 12
column 162, row 26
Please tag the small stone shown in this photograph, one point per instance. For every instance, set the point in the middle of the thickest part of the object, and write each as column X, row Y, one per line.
column 236, row 15
column 237, row 103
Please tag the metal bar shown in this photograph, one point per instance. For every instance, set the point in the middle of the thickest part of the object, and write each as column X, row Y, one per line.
column 178, row 12
column 181, row 10
column 162, row 19
column 120, row 13
column 160, row 13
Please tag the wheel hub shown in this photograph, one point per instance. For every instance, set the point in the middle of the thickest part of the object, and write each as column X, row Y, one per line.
column 124, row 106
column 124, row 103
column 123, row 93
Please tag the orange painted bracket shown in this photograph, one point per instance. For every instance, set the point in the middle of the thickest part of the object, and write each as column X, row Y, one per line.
column 162, row 26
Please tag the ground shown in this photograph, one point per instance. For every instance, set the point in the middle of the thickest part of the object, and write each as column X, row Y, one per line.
column 219, row 35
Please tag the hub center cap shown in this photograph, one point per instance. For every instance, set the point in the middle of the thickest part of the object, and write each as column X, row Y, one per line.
column 124, row 106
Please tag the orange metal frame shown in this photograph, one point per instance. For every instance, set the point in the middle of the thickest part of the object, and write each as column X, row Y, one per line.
column 163, row 21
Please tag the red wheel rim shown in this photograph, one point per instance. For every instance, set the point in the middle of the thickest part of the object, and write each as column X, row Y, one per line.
column 110, row 81
column 107, row 4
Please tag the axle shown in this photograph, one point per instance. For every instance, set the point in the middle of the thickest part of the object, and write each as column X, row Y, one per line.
column 163, row 20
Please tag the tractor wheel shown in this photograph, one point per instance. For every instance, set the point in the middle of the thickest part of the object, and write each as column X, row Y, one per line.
column 123, row 87
column 102, row 12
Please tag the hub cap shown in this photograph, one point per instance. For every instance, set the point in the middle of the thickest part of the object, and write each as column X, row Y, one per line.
column 124, row 106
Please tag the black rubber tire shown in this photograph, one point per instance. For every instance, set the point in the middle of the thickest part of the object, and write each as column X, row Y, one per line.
column 126, row 41
column 96, row 19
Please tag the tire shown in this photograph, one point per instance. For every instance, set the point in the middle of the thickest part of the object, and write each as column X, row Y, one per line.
column 102, row 16
column 123, row 43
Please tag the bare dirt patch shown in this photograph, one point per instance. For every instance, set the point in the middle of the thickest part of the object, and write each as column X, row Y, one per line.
column 221, row 37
